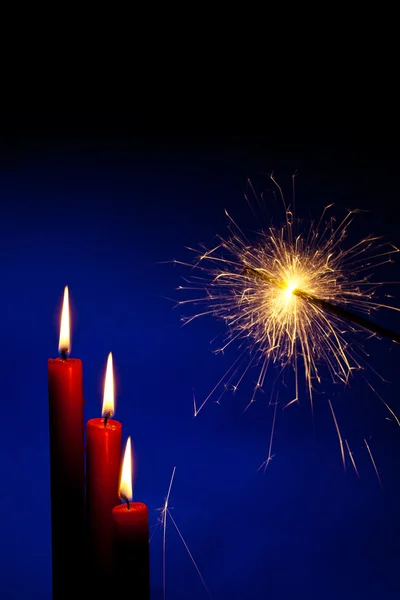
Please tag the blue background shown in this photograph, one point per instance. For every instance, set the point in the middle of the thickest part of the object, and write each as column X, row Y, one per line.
column 105, row 212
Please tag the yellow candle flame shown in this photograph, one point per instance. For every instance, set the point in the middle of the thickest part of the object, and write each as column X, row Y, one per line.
column 125, row 486
column 108, row 396
column 64, row 341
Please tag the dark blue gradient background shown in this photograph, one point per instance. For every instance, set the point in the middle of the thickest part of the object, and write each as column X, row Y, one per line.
column 103, row 212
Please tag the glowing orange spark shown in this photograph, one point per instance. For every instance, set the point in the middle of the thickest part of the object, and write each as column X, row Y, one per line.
column 352, row 458
column 373, row 463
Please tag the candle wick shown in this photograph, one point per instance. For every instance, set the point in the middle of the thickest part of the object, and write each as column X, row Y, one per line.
column 107, row 416
column 63, row 353
column 121, row 495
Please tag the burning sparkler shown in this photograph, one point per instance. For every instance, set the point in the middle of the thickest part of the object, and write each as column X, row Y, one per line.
column 296, row 297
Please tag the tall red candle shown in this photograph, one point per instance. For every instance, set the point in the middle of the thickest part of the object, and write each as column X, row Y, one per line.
column 67, row 483
column 131, row 557
column 103, row 456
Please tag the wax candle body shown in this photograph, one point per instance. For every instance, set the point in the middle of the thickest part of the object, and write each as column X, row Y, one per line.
column 67, row 475
column 131, row 560
column 103, row 459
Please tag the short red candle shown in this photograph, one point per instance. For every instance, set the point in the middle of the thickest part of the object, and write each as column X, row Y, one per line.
column 103, row 457
column 67, row 483
column 131, row 563
column 131, row 556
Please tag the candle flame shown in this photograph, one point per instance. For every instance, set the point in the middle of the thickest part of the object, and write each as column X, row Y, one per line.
column 125, row 486
column 108, row 396
column 64, row 341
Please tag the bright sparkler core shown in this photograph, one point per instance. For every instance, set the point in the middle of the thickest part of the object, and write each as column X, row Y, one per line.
column 290, row 289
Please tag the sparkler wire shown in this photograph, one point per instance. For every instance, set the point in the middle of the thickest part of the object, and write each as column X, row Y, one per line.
column 329, row 307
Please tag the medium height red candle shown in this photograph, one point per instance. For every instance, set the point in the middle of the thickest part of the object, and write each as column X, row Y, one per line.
column 103, row 456
column 67, row 483
column 131, row 557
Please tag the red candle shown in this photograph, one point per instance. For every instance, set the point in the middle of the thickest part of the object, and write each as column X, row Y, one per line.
column 131, row 559
column 103, row 456
column 67, row 483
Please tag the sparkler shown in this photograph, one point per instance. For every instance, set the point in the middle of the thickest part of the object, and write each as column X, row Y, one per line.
column 293, row 298
column 339, row 311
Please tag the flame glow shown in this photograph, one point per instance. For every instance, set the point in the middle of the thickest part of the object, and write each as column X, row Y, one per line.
column 108, row 396
column 125, row 486
column 64, row 341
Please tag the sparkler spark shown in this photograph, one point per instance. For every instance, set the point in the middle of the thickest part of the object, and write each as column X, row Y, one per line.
column 353, row 462
column 165, row 511
column 293, row 298
column 373, row 462
column 339, row 435
column 270, row 455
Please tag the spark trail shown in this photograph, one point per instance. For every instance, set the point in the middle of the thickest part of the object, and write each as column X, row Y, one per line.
column 163, row 520
column 373, row 463
column 353, row 462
